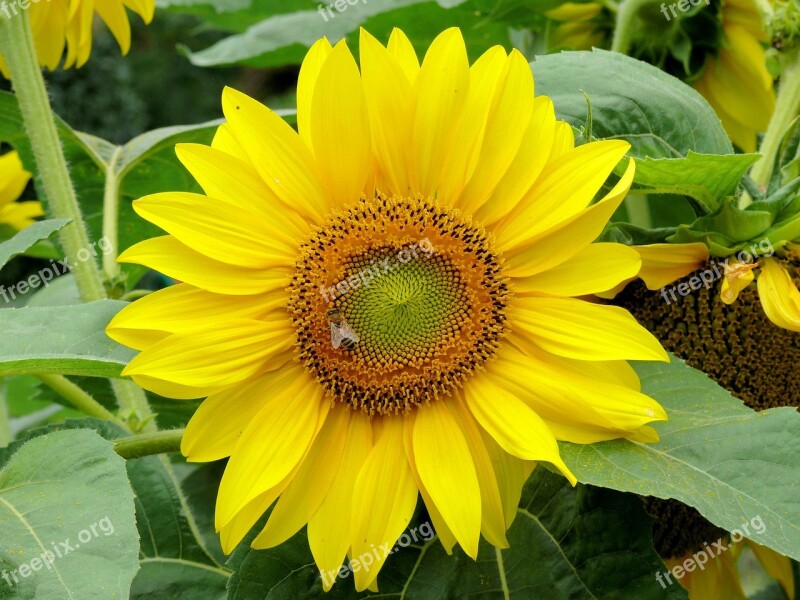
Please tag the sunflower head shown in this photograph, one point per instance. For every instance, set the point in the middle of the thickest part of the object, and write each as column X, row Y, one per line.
column 67, row 24
column 384, row 304
column 13, row 181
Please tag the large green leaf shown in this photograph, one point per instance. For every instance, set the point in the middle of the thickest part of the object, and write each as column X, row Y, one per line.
column 565, row 543
column 269, row 39
column 174, row 561
column 28, row 237
column 658, row 114
column 67, row 517
column 715, row 454
column 67, row 340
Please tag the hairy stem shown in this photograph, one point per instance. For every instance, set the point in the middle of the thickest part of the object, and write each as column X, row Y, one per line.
column 148, row 444
column 16, row 45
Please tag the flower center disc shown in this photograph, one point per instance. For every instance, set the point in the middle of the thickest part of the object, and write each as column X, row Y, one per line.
column 396, row 302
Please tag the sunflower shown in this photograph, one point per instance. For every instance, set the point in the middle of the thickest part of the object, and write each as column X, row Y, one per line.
column 60, row 24
column 383, row 304
column 776, row 274
column 736, row 81
column 13, row 181
column 724, row 324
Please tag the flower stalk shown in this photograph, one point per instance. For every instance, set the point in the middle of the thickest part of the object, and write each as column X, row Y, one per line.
column 147, row 444
column 17, row 47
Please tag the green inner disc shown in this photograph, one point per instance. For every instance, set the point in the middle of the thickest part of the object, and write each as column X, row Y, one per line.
column 403, row 311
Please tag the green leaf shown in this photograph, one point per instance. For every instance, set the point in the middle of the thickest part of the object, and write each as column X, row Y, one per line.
column 715, row 454
column 67, row 517
column 658, row 114
column 67, row 340
column 267, row 39
column 174, row 562
column 565, row 543
column 708, row 178
column 29, row 237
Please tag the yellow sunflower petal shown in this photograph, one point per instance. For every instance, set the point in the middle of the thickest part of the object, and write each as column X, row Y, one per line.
column 204, row 224
column 390, row 103
column 400, row 47
column 506, row 125
column 578, row 329
column 114, row 15
column 531, row 158
column 529, row 255
column 441, row 90
column 183, row 308
column 277, row 152
column 514, row 426
column 169, row 256
column 329, row 529
column 779, row 295
column 445, row 466
column 340, row 127
column 215, row 428
column 776, row 565
column 271, row 445
column 13, row 178
column 493, row 521
column 557, row 194
column 213, row 359
column 596, row 268
column 226, row 176
column 664, row 263
column 306, row 81
column 309, row 486
column 384, row 499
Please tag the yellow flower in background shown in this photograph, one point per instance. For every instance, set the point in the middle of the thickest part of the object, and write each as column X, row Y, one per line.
column 13, row 180
column 719, row 577
column 384, row 305
column 67, row 24
column 736, row 82
column 576, row 29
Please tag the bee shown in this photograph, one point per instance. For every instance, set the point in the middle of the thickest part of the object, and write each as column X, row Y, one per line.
column 341, row 332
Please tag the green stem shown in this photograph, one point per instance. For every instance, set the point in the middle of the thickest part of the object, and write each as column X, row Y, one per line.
column 79, row 398
column 626, row 24
column 16, row 45
column 5, row 417
column 148, row 444
column 133, row 401
column 639, row 210
column 786, row 110
column 110, row 217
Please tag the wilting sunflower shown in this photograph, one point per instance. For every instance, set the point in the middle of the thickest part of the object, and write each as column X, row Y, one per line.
column 728, row 341
column 383, row 305
column 13, row 180
column 60, row 24
column 776, row 274
column 736, row 81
